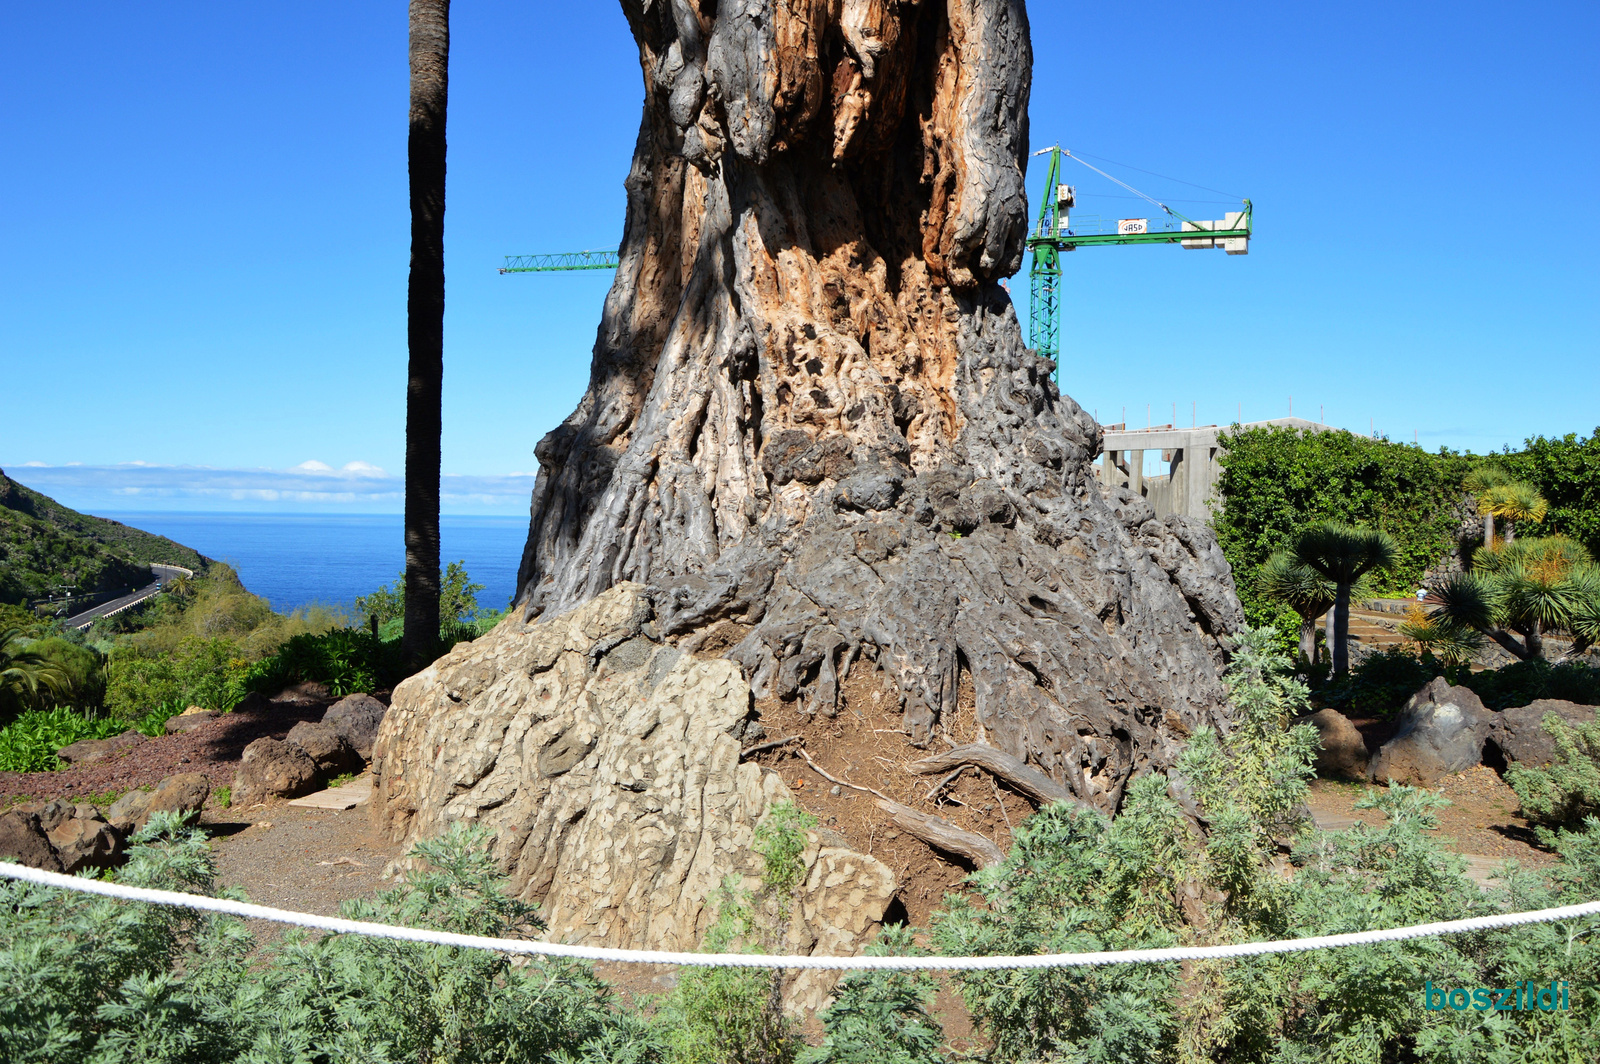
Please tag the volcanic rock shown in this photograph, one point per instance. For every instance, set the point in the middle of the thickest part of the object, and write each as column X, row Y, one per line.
column 184, row 793
column 329, row 750
column 88, row 751
column 85, row 842
column 22, row 839
column 603, row 763
column 1441, row 731
column 356, row 719
column 273, row 768
column 1342, row 753
column 1518, row 734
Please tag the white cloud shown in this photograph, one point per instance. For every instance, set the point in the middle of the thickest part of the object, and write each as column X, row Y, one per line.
column 312, row 485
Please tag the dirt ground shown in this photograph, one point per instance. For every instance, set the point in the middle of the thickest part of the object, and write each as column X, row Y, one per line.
column 1480, row 821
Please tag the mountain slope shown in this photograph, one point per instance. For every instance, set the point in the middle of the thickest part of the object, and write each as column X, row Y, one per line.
column 44, row 544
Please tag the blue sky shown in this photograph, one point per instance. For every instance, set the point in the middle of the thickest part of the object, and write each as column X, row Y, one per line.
column 205, row 256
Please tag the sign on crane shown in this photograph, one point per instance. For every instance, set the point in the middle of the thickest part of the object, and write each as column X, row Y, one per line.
column 1057, row 231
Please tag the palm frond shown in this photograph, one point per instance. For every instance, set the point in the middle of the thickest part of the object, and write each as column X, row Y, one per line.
column 1286, row 579
column 1344, row 553
column 1467, row 599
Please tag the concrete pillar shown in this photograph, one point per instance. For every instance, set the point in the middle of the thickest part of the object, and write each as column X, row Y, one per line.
column 1109, row 470
column 1178, row 480
column 1136, row 472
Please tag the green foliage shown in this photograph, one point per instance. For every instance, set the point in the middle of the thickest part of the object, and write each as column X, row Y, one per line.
column 881, row 1017
column 458, row 598
column 98, row 980
column 210, row 673
column 29, row 743
column 1567, row 792
column 1277, row 482
column 1566, row 471
column 27, row 676
column 734, row 1015
column 346, row 660
column 222, row 797
column 1152, row 877
column 1381, row 682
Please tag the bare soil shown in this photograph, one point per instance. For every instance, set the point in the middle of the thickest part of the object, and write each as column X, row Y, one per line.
column 1482, row 819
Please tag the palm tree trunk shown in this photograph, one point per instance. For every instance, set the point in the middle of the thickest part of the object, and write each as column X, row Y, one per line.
column 430, row 57
column 1488, row 531
column 1308, row 639
column 1534, row 639
column 1341, row 631
column 1511, row 533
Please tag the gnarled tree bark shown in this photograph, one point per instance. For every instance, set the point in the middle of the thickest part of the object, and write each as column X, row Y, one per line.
column 811, row 412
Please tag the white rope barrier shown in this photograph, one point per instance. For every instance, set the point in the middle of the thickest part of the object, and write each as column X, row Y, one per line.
column 342, row 926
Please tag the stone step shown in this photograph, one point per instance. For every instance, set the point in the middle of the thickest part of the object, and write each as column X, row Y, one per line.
column 352, row 794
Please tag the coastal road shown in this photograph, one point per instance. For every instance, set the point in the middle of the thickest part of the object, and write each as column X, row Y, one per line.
column 164, row 574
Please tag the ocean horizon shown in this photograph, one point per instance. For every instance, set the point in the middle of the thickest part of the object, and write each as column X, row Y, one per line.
column 298, row 560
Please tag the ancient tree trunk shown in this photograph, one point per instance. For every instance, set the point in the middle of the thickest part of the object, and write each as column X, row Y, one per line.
column 812, row 426
column 430, row 61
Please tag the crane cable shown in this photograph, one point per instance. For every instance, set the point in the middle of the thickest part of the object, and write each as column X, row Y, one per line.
column 1124, row 184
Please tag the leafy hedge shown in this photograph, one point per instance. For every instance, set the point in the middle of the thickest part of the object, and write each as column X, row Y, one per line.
column 1381, row 682
column 29, row 743
column 1566, row 470
column 1278, row 481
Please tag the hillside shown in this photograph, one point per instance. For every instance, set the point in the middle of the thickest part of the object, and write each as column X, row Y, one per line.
column 44, row 544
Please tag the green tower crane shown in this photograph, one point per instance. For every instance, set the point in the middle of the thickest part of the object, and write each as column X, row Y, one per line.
column 564, row 260
column 1057, row 231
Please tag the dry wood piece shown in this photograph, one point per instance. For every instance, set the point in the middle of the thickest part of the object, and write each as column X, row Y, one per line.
column 939, row 832
column 773, row 745
column 1019, row 775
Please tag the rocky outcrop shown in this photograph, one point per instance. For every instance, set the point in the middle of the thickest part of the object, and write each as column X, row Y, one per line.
column 1441, row 731
column 89, row 751
column 85, row 841
column 327, row 749
column 273, row 768
column 23, row 839
column 605, row 763
column 190, row 719
column 62, row 836
column 1342, row 753
column 184, row 794
column 356, row 718
column 1518, row 735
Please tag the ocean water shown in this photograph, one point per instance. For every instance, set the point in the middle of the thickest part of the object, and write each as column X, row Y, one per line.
column 295, row 560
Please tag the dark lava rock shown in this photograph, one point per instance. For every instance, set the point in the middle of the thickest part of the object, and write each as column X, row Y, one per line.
column 23, row 839
column 273, row 768
column 1518, row 734
column 356, row 718
column 88, row 751
column 1441, row 732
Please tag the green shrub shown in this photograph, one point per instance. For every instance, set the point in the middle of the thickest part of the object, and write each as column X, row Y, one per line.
column 1381, row 682
column 1566, row 792
column 29, row 743
column 347, row 660
column 734, row 1015
column 209, row 673
column 881, row 1017
column 84, row 978
column 1523, row 682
